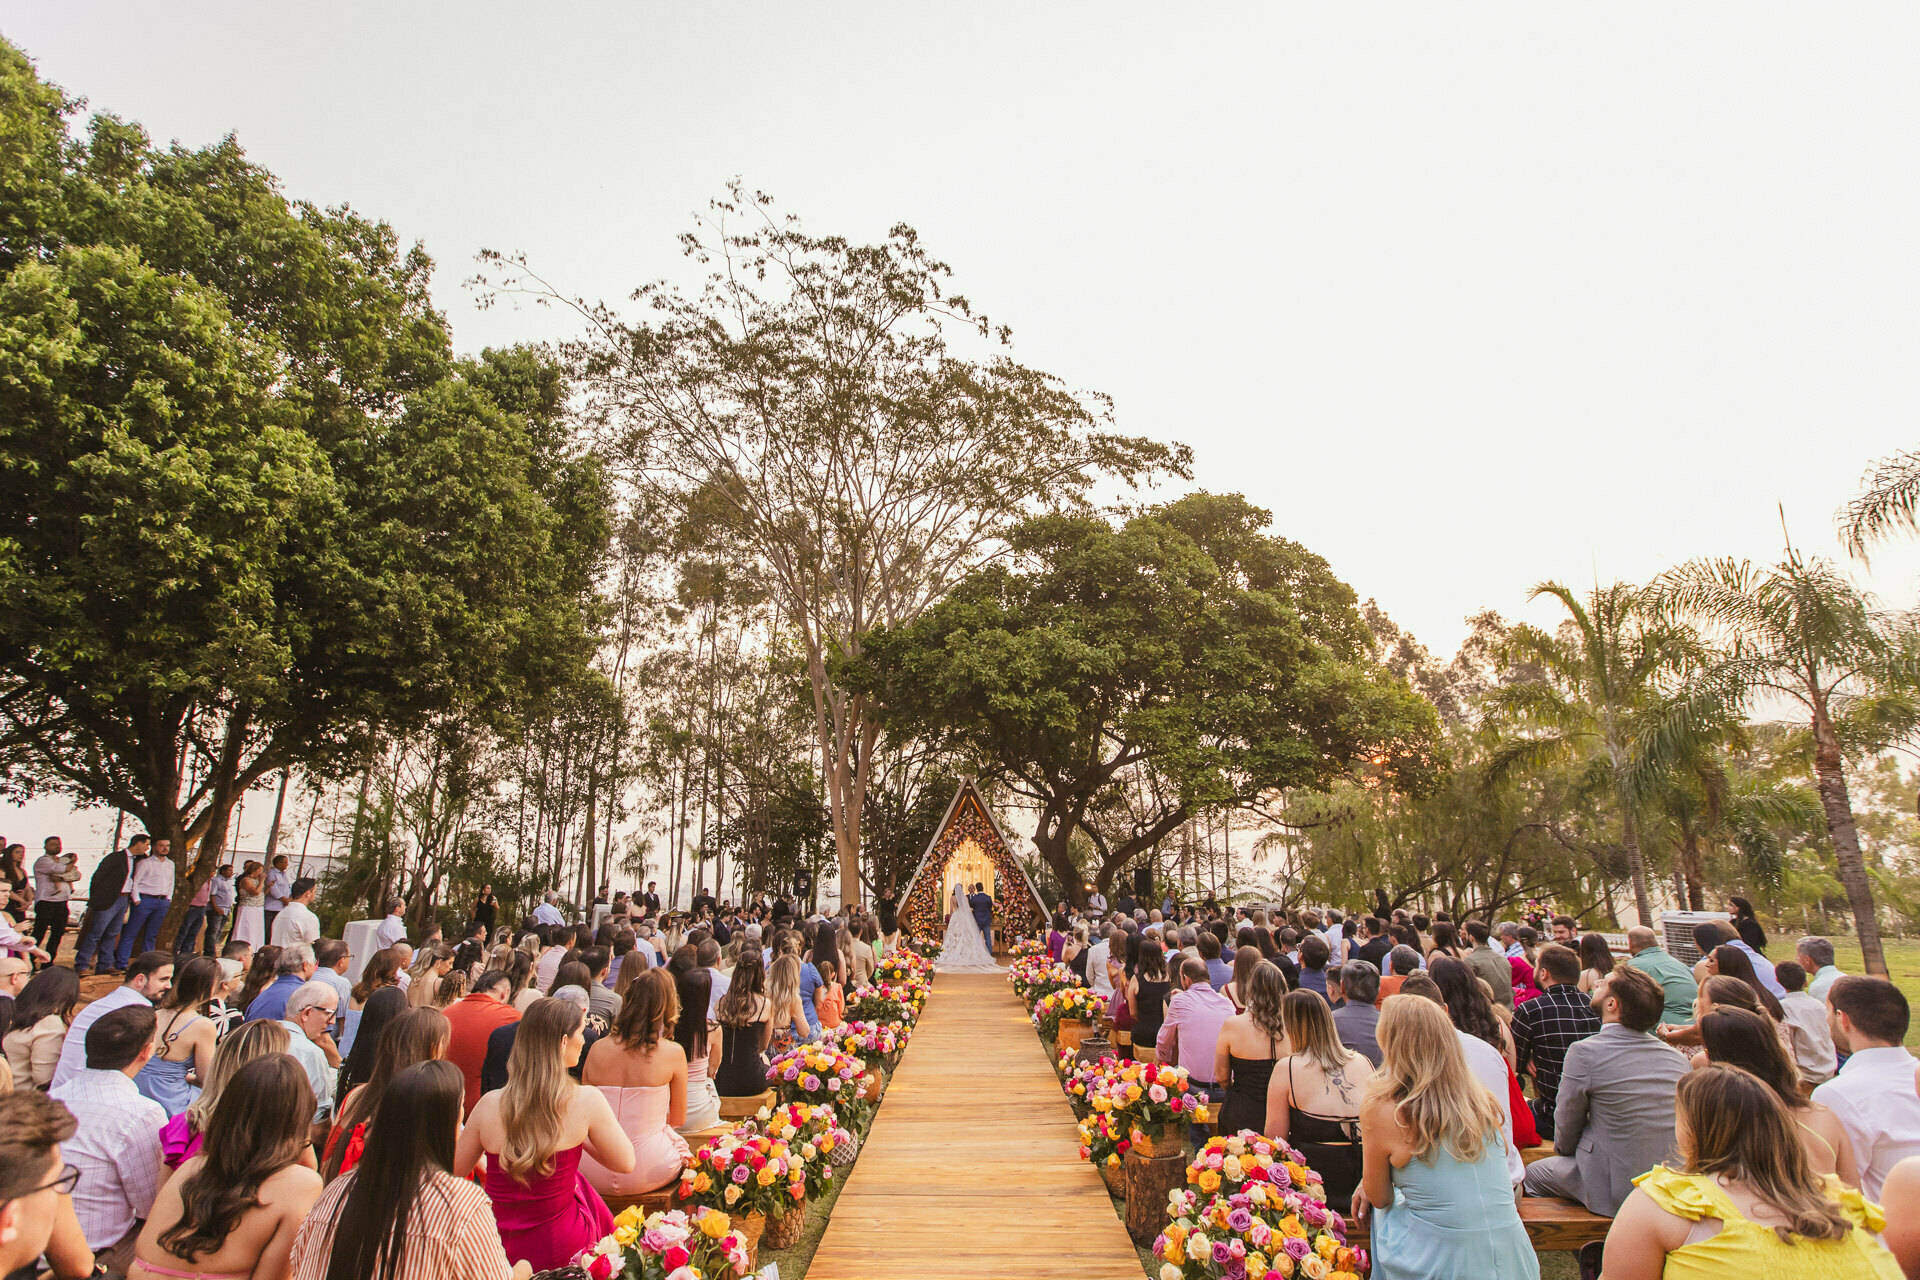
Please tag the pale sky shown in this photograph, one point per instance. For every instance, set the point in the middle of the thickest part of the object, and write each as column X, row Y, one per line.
column 1471, row 296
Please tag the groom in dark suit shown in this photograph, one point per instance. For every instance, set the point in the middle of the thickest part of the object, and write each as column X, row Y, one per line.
column 982, row 913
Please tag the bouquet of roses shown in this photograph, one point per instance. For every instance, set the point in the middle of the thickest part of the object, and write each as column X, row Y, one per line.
column 1026, row 948
column 747, row 1172
column 1071, row 1002
column 1036, row 976
column 898, row 966
column 1147, row 1094
column 882, row 1040
column 872, row 1004
column 820, row 1072
column 1229, row 1165
column 1102, row 1141
column 1262, row 1231
column 673, row 1245
column 925, row 947
column 815, row 1132
column 1084, row 1080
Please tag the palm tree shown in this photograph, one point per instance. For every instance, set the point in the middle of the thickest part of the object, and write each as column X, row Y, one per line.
column 1603, row 678
column 1704, row 798
column 1801, row 631
column 1890, row 501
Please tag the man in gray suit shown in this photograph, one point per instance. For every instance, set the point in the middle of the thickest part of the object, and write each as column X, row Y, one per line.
column 1614, row 1118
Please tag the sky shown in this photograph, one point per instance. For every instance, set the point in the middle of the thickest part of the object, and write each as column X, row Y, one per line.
column 1470, row 296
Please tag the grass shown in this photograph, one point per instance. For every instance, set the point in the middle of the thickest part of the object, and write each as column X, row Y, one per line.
column 1903, row 965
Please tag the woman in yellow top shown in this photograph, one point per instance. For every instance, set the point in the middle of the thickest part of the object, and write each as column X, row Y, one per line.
column 1744, row 1203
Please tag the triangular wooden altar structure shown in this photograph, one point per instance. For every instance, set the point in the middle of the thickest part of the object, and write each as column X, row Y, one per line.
column 968, row 818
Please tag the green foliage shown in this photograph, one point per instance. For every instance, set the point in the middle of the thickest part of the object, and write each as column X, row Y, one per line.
column 1185, row 645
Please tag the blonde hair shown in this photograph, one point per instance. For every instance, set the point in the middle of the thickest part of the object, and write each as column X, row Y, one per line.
column 1310, row 1032
column 1423, row 1072
column 249, row 1040
column 533, row 1106
column 783, row 986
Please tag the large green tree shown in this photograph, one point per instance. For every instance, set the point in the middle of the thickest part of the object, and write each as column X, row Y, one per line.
column 253, row 513
column 1185, row 649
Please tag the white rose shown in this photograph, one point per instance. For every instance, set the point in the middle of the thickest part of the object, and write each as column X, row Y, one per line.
column 1170, row 1271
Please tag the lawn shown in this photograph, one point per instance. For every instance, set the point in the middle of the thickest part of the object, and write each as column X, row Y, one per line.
column 1903, row 964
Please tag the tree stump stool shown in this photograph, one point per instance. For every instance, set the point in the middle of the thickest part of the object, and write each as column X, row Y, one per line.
column 1149, row 1180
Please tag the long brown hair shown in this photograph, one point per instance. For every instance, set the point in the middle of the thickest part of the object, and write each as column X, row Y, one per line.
column 260, row 1129
column 1423, row 1071
column 420, row 1115
column 649, row 1008
column 1745, row 1038
column 260, row 975
column 533, row 1106
column 1264, row 995
column 749, row 982
column 383, row 970
column 418, row 1035
column 1733, row 1125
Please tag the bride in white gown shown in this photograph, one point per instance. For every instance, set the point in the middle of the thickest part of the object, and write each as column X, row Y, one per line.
column 963, row 950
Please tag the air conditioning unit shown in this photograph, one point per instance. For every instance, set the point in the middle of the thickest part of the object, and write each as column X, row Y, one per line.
column 1677, row 929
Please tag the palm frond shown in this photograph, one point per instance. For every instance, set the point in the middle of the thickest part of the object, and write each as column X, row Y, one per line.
column 1890, row 501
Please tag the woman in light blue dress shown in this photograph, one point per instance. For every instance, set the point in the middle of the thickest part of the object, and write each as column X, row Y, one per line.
column 184, row 1038
column 1435, row 1181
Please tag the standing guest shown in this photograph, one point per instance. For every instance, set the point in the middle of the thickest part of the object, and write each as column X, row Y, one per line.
column 1249, row 1045
column 1873, row 1094
column 278, row 890
column 1743, row 1200
column 745, row 1030
column 1816, row 957
column 183, row 1038
column 182, row 1137
column 1677, row 987
column 1190, row 1031
column 485, row 908
column 1744, row 1038
column 534, row 1133
column 1747, row 925
column 219, row 905
column 415, row 1036
column 1545, row 1028
column 54, row 875
column 641, row 1070
column 117, row 1144
column 150, row 889
column 473, row 1019
column 310, row 1011
column 1147, row 993
column 295, row 924
column 1356, row 1017
column 234, row 1208
column 1313, row 1098
column 107, row 906
column 1490, row 965
column 1613, row 1118
column 401, row 1215
column 292, row 968
column 18, row 900
column 1806, row 1021
column 187, row 939
column 35, row 1185
column 148, row 978
column 250, row 896
column 1596, row 961
column 393, row 929
column 1435, row 1182
column 1096, row 905
column 1314, row 955
column 41, row 1014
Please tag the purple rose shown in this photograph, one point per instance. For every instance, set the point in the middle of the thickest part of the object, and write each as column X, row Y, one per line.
column 1296, row 1248
column 1312, row 1214
column 1337, row 1225
column 1280, row 1177
column 1239, row 1220
column 1221, row 1254
column 741, row 1173
column 1159, row 1245
column 811, row 1083
column 1240, row 1200
column 791, row 1073
column 1234, row 1269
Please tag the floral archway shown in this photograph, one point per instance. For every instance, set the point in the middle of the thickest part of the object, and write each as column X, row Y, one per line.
column 969, row 830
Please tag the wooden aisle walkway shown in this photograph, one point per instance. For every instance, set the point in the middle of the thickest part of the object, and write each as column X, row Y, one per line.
column 973, row 1165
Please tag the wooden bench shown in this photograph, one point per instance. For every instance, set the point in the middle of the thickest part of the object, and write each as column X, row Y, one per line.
column 744, row 1108
column 1553, row 1225
column 656, row 1201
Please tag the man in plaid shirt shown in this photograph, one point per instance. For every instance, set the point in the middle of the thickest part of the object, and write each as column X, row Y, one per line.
column 1544, row 1026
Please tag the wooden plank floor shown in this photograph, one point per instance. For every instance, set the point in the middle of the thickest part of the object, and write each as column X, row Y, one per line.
column 973, row 1166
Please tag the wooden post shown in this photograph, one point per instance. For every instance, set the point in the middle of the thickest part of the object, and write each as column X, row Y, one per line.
column 1149, row 1181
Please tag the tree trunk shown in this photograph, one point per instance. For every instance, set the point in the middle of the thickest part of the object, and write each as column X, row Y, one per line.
column 1637, row 870
column 1830, row 772
column 279, row 806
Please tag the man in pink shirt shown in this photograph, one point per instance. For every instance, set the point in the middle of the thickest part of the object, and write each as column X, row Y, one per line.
column 1191, row 1031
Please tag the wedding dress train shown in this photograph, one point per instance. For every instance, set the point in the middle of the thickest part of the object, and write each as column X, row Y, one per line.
column 963, row 950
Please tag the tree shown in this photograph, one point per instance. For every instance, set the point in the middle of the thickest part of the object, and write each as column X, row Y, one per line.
column 1800, row 631
column 1186, row 644
column 254, row 515
column 816, row 401
column 1889, row 502
column 1602, row 677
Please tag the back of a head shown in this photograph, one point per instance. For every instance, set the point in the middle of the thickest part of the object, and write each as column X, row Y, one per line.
column 1876, row 1008
column 1478, row 931
column 1403, row 960
column 1467, row 1003
column 648, row 1010
column 1562, row 964
column 1360, row 981
column 1791, row 977
column 1264, row 993
column 1310, row 1029
column 1732, row 1125
column 1637, row 997
column 1423, row 1071
column 1314, row 952
column 693, row 991
column 1208, row 946
column 31, row 1125
column 1709, row 934
column 533, row 1103
column 260, row 1127
column 1733, row 962
column 294, row 959
column 1817, row 950
column 572, row 974
column 1420, row 985
column 114, row 1041
column 1194, row 971
column 1745, row 1038
column 417, row 1120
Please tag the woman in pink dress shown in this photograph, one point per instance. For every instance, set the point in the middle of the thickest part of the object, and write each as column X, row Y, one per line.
column 642, row 1072
column 533, row 1133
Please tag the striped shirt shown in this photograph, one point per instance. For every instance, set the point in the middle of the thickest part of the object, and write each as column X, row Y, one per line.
column 450, row 1233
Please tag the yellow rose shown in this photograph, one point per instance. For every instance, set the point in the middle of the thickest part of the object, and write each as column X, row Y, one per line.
column 1256, row 1265
column 1209, row 1181
column 715, row 1225
column 1281, row 1265
column 630, row 1217
column 733, row 1194
column 625, row 1236
column 1133, row 1093
column 765, row 1176
column 1290, row 1226
column 1326, row 1246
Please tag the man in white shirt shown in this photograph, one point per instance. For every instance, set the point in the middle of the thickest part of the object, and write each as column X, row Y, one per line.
column 276, row 891
column 1096, row 906
column 392, row 929
column 116, row 1147
column 547, row 913
column 1097, row 976
column 311, row 1010
column 1873, row 1095
column 54, row 874
column 296, row 922
column 1806, row 1020
column 1816, row 957
column 150, row 885
column 149, row 977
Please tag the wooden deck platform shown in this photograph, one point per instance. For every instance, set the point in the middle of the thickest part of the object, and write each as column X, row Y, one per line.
column 973, row 1166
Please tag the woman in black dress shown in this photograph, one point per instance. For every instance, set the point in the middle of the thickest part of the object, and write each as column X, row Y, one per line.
column 1257, row 1031
column 1147, row 997
column 1748, row 924
column 745, row 1030
column 485, row 909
